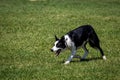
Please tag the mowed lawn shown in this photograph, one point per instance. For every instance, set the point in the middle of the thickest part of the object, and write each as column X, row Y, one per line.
column 27, row 29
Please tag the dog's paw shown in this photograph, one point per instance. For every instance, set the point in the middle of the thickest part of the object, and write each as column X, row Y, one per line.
column 67, row 62
column 104, row 58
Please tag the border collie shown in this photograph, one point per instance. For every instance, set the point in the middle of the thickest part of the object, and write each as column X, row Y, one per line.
column 75, row 39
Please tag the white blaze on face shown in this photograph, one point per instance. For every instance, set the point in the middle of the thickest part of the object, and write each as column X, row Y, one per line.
column 55, row 47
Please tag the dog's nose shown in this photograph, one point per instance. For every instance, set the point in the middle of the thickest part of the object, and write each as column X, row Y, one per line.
column 51, row 50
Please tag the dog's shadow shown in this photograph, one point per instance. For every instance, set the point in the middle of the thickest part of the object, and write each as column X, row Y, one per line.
column 83, row 60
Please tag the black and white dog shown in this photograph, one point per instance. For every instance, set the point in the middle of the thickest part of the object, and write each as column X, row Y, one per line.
column 78, row 38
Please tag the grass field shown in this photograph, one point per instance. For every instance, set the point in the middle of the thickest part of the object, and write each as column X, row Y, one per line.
column 27, row 30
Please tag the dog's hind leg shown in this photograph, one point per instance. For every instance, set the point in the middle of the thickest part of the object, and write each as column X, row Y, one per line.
column 85, row 51
column 97, row 45
column 101, row 51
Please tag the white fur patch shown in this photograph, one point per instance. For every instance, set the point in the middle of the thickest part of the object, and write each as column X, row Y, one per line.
column 104, row 57
column 68, row 41
column 67, row 62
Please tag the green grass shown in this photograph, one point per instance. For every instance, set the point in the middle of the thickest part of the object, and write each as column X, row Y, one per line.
column 27, row 30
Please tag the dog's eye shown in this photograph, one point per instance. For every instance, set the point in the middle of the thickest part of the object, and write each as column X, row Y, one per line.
column 58, row 45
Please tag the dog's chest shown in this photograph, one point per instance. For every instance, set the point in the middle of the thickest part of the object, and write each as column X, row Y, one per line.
column 68, row 41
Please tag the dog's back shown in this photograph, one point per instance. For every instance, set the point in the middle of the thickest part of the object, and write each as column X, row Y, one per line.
column 83, row 33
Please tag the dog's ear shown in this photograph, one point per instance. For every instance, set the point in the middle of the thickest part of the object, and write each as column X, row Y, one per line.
column 56, row 38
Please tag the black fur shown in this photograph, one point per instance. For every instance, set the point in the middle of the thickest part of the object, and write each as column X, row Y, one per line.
column 85, row 33
column 61, row 43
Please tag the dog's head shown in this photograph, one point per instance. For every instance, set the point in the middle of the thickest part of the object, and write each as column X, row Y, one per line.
column 59, row 45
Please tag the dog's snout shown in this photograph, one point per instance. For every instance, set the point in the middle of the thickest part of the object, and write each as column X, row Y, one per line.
column 51, row 50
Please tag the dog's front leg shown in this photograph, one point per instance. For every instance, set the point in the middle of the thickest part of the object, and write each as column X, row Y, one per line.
column 73, row 52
